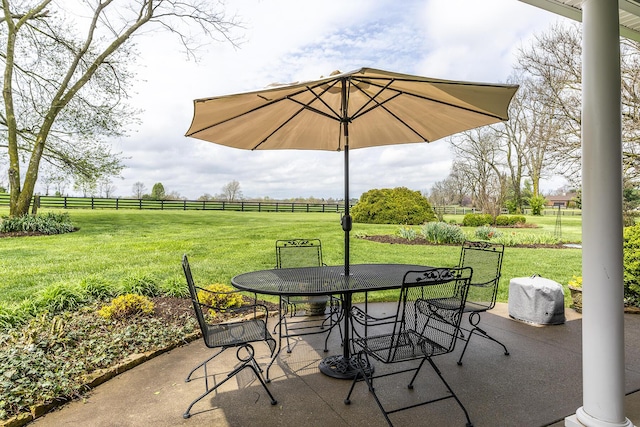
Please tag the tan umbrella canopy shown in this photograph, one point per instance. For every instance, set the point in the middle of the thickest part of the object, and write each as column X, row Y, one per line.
column 362, row 108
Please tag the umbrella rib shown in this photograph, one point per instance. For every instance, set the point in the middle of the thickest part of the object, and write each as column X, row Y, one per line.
column 306, row 106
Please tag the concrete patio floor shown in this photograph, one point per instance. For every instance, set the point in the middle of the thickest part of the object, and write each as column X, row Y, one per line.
column 538, row 384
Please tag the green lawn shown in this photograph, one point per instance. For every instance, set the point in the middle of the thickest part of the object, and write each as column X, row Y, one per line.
column 116, row 244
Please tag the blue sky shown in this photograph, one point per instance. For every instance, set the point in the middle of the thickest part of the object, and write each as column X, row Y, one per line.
column 288, row 40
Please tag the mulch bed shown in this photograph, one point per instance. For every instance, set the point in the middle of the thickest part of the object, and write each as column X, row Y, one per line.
column 396, row 240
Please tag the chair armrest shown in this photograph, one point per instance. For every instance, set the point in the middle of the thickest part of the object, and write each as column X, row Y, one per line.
column 363, row 318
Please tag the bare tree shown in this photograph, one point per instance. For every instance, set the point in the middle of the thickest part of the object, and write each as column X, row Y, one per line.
column 554, row 62
column 231, row 191
column 64, row 91
column 139, row 190
column 106, row 187
column 480, row 160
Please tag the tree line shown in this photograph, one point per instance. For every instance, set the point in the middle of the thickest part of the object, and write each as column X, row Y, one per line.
column 502, row 165
column 66, row 92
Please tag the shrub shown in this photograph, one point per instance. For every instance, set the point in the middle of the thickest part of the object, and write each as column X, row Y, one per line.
column 537, row 204
column 510, row 220
column 220, row 296
column 125, row 306
column 141, row 285
column 393, row 206
column 486, row 232
column 407, row 233
column 631, row 245
column 477, row 220
column 441, row 232
column 49, row 223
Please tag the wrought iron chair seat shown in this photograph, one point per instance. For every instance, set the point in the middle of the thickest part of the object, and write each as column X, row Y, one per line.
column 241, row 327
column 425, row 325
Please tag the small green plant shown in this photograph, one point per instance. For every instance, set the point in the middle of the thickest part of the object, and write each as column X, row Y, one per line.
column 58, row 297
column 140, row 284
column 49, row 223
column 477, row 220
column 486, row 232
column 407, row 232
column 125, row 306
column 221, row 297
column 441, row 232
column 175, row 287
column 97, row 287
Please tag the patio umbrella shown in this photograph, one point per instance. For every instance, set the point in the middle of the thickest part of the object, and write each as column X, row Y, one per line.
column 358, row 109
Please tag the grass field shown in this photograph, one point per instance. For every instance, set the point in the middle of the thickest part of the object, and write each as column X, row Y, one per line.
column 114, row 245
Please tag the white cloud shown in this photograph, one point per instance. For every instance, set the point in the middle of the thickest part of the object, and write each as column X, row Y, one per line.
column 284, row 42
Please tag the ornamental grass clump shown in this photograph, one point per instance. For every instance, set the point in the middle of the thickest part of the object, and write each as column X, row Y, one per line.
column 220, row 296
column 125, row 306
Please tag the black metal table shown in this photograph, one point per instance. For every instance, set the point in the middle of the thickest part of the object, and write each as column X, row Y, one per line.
column 327, row 280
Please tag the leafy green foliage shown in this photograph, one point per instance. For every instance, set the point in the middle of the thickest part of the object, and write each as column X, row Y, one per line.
column 441, row 232
column 48, row 358
column 510, row 220
column 631, row 262
column 125, row 306
column 59, row 297
column 515, row 239
column 97, row 287
column 477, row 220
column 537, row 204
column 141, row 284
column 407, row 233
column 393, row 206
column 486, row 232
column 48, row 223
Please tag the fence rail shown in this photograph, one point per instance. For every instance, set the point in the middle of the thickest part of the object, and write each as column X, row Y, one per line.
column 213, row 205
column 54, row 202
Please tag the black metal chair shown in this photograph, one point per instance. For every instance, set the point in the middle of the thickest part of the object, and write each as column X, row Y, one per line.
column 485, row 258
column 294, row 253
column 239, row 327
column 425, row 325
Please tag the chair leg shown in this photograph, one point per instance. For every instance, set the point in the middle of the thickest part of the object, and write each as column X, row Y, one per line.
column 474, row 319
column 248, row 362
column 466, row 414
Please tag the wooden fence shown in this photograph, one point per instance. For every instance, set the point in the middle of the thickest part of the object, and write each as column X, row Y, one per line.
column 213, row 205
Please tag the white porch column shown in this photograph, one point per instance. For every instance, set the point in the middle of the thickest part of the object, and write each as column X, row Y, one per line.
column 602, row 319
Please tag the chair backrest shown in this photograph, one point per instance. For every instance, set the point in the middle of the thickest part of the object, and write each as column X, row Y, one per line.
column 298, row 253
column 193, row 292
column 486, row 260
column 430, row 310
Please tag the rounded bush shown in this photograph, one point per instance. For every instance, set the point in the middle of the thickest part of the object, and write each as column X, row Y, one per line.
column 393, row 206
column 510, row 220
column 220, row 296
column 125, row 306
column 477, row 220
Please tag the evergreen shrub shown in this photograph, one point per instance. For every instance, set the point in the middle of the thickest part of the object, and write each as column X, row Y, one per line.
column 477, row 220
column 631, row 263
column 393, row 206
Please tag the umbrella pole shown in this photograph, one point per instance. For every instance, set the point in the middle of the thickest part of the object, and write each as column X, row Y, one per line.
column 346, row 219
